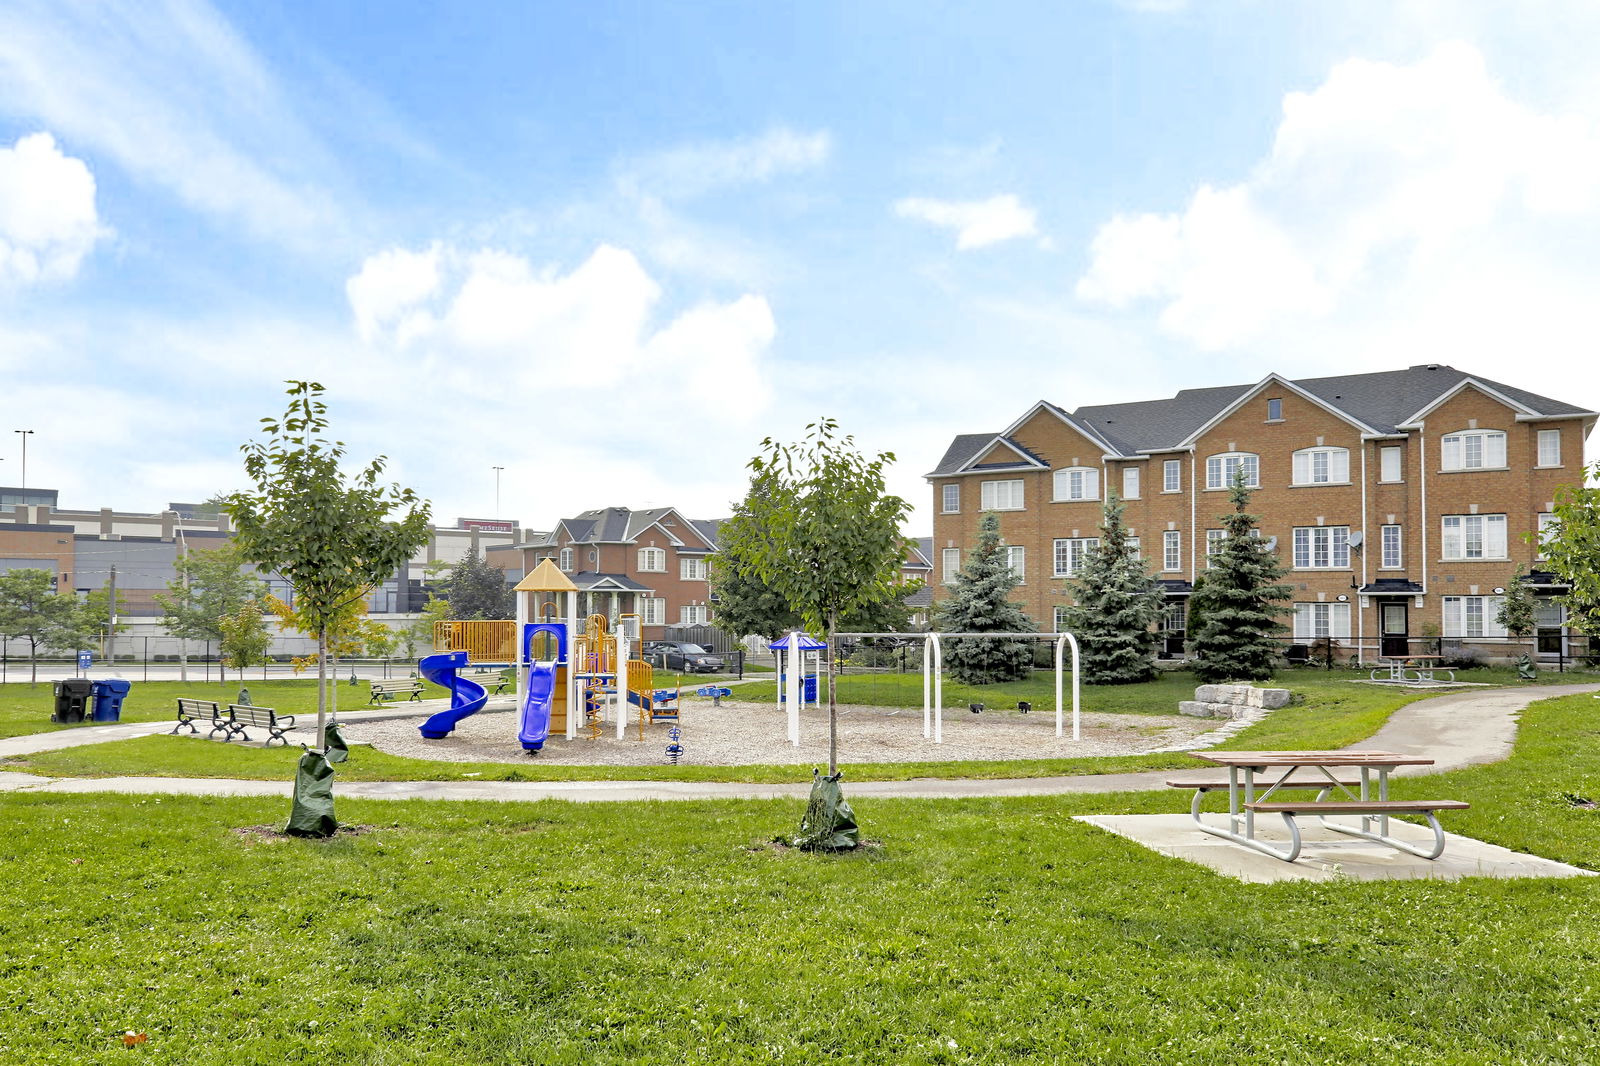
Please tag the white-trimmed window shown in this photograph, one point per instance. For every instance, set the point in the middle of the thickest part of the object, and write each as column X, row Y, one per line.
column 1214, row 541
column 1130, row 483
column 1016, row 559
column 1472, row 616
column 1391, row 552
column 694, row 614
column 1001, row 495
column 566, row 560
column 1549, row 447
column 692, row 569
column 1389, row 468
column 1321, row 547
column 1077, row 483
column 1172, row 475
column 1058, row 618
column 1133, row 546
column 1070, row 552
column 1476, row 449
column 653, row 560
column 1322, row 466
column 950, row 564
column 1220, row 470
column 1172, row 550
column 1315, row 620
column 951, row 500
column 1547, row 522
column 652, row 611
column 1275, row 410
column 1474, row 536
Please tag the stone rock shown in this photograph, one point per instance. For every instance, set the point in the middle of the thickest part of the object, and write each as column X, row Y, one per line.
column 1273, row 698
column 1195, row 708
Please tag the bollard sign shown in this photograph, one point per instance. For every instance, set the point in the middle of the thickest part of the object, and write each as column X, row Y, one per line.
column 85, row 660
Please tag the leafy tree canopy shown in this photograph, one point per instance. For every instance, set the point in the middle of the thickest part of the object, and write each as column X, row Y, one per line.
column 32, row 610
column 1571, row 548
column 479, row 591
column 212, row 584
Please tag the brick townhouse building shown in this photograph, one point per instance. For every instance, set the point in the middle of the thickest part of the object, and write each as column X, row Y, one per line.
column 1398, row 500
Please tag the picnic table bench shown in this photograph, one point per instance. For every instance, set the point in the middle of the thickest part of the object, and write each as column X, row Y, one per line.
column 202, row 711
column 1420, row 668
column 1302, row 770
column 385, row 691
column 241, row 716
column 492, row 678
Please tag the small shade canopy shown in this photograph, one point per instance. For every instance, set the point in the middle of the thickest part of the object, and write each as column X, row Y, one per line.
column 546, row 577
column 806, row 643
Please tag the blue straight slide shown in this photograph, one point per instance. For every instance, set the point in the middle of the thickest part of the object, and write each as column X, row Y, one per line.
column 466, row 697
column 536, row 705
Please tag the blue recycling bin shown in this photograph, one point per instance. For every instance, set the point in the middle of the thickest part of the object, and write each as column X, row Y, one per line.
column 108, row 697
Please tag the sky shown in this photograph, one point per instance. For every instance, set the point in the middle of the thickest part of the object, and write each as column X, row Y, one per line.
column 611, row 247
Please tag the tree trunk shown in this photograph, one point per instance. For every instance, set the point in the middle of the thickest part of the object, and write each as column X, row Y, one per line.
column 833, row 700
column 322, row 684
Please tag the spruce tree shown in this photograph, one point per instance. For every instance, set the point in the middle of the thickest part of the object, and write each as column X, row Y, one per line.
column 1233, row 615
column 980, row 603
column 1118, row 602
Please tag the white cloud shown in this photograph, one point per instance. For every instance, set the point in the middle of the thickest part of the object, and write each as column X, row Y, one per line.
column 390, row 285
column 48, row 219
column 1384, row 180
column 174, row 95
column 694, row 169
column 978, row 223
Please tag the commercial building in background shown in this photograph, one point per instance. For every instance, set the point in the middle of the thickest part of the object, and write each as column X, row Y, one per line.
column 1402, row 502
column 83, row 549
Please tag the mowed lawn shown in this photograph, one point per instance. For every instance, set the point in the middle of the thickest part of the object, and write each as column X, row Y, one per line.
column 983, row 931
column 1330, row 712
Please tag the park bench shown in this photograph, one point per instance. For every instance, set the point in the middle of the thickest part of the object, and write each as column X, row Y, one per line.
column 1380, row 809
column 203, row 711
column 1221, row 784
column 1412, row 670
column 242, row 715
column 493, row 679
column 384, row 691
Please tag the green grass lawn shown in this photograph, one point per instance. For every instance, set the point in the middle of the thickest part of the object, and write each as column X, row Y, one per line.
column 977, row 931
column 26, row 708
column 1330, row 713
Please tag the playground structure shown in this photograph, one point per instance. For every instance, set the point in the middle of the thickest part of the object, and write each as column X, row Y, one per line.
column 794, row 647
column 566, row 677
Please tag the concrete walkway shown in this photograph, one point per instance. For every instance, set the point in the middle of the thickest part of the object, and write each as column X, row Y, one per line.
column 1459, row 729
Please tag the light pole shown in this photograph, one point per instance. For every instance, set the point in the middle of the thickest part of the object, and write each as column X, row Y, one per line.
column 497, row 491
column 26, row 433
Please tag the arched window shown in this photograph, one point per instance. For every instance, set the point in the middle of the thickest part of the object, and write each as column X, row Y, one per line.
column 1322, row 466
column 1077, row 483
column 1220, row 469
column 653, row 560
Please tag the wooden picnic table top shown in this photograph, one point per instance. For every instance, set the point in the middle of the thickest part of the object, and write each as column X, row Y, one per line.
column 1311, row 758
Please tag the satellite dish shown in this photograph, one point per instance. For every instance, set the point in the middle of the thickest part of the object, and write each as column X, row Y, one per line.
column 1272, row 544
column 1356, row 539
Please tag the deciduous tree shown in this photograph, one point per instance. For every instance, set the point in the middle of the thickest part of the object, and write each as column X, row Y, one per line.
column 32, row 610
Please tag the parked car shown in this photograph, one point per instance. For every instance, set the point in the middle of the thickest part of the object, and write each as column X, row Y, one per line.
column 681, row 655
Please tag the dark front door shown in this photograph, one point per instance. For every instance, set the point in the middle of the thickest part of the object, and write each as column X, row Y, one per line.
column 1393, row 640
column 1174, row 628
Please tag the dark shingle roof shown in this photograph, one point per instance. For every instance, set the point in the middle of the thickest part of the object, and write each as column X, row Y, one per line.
column 1383, row 400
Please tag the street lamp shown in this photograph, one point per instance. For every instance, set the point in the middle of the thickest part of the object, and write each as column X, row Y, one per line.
column 26, row 433
column 497, row 491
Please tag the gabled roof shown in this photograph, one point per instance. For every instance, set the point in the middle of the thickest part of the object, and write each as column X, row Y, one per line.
column 623, row 525
column 1088, row 431
column 1380, row 404
column 1026, row 459
column 590, row 581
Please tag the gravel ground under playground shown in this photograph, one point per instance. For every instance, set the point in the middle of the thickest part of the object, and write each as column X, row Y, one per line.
column 737, row 734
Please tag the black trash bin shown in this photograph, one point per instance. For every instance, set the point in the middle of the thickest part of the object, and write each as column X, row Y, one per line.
column 108, row 696
column 71, row 695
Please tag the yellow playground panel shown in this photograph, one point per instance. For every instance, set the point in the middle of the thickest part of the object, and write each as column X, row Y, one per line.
column 484, row 641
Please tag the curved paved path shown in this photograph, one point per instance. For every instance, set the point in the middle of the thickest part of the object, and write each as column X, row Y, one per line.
column 1463, row 728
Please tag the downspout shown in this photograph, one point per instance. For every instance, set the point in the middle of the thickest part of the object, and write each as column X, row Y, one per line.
column 1366, row 543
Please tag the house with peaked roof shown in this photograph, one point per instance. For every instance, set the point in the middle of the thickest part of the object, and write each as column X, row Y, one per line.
column 653, row 563
column 1402, row 502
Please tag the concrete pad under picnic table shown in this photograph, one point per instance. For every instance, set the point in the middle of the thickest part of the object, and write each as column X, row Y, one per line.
column 1326, row 856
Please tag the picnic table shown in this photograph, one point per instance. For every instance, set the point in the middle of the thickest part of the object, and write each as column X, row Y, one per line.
column 1300, row 771
column 1421, row 669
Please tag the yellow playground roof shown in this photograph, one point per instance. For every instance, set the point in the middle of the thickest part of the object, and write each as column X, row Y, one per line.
column 546, row 577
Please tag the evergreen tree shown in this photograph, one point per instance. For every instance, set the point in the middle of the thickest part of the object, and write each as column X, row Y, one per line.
column 479, row 591
column 979, row 602
column 1233, row 614
column 1118, row 603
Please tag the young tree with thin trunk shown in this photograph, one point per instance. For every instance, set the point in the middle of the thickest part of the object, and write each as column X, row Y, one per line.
column 332, row 538
column 1571, row 549
column 820, row 529
column 32, row 610
column 245, row 638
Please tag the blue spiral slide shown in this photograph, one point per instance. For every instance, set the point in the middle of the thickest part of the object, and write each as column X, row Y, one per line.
column 466, row 697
